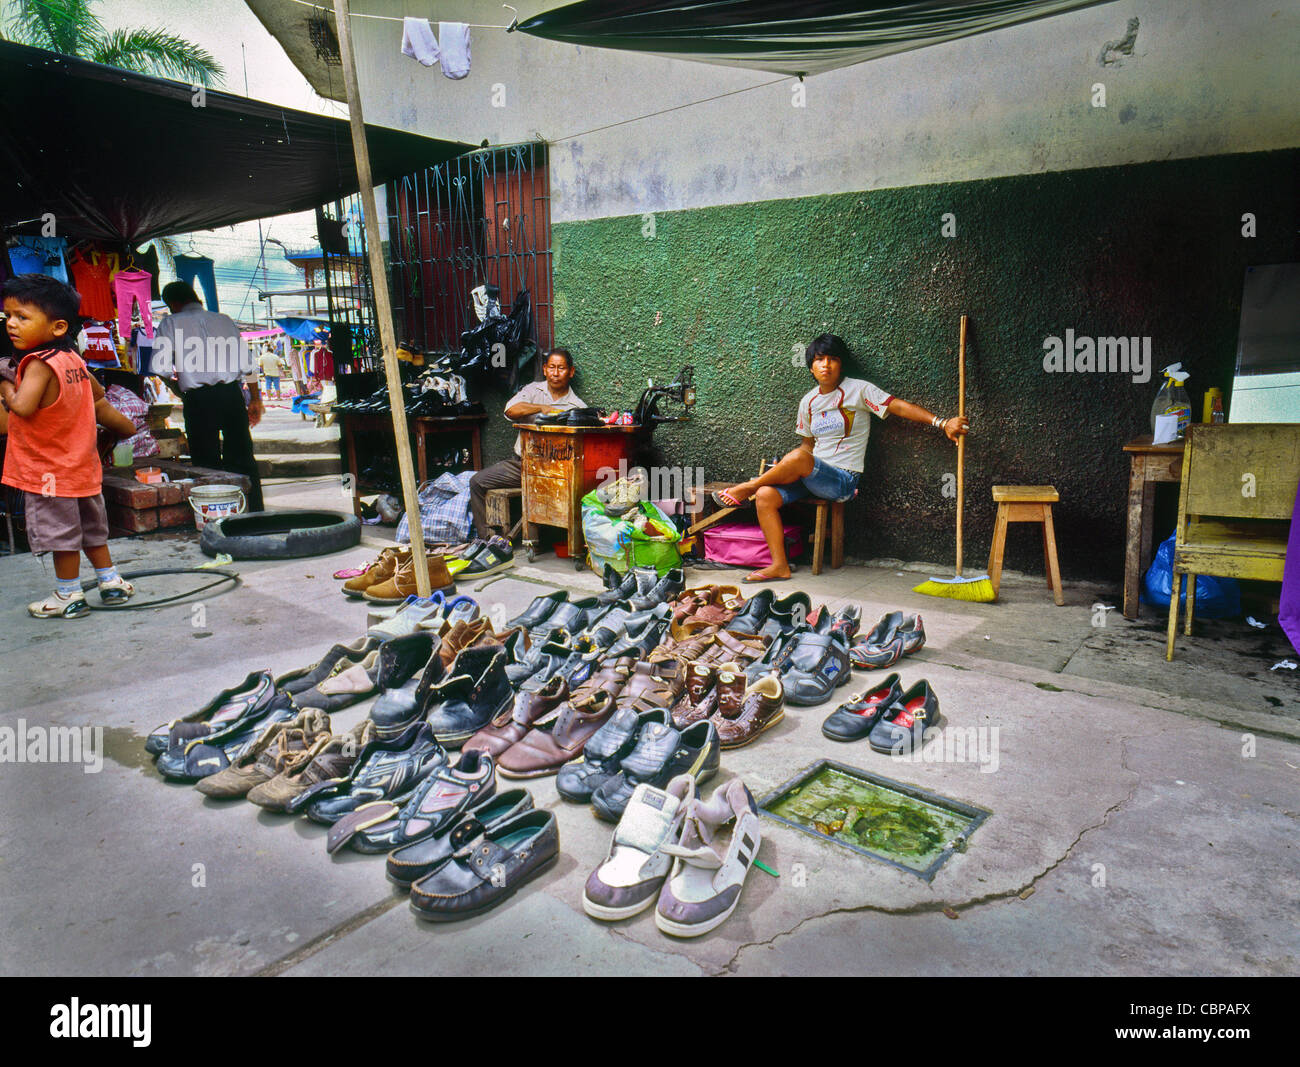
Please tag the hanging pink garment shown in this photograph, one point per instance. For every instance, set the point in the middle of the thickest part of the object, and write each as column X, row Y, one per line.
column 128, row 286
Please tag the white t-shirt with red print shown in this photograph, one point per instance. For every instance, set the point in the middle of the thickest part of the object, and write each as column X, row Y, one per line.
column 838, row 424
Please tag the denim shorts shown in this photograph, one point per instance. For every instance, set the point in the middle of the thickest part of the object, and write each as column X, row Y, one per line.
column 826, row 481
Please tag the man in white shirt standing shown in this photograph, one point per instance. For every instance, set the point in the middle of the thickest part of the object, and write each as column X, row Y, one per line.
column 834, row 421
column 551, row 394
column 202, row 351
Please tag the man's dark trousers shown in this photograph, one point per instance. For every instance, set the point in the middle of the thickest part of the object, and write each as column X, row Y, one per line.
column 216, row 423
column 508, row 474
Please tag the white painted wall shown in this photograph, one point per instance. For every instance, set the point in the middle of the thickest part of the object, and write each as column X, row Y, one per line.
column 1206, row 77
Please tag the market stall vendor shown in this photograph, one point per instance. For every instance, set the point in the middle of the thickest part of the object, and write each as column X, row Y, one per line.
column 536, row 398
column 833, row 423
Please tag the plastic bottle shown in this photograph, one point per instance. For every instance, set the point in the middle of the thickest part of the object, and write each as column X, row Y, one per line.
column 1173, row 399
column 1213, row 403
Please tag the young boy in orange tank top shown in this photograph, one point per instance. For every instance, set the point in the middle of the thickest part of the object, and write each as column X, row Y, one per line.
column 53, row 405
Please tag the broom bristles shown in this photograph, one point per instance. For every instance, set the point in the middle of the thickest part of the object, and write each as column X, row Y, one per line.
column 978, row 589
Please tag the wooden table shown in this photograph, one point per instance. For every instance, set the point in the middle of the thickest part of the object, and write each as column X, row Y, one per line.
column 1148, row 464
column 419, row 429
column 561, row 465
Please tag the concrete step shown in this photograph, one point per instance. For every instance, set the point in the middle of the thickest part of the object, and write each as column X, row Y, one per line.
column 297, row 444
column 297, row 464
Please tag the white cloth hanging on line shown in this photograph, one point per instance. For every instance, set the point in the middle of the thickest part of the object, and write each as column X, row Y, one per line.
column 455, row 48
column 418, row 41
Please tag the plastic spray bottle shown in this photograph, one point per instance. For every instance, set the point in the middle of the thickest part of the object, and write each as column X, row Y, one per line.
column 1173, row 399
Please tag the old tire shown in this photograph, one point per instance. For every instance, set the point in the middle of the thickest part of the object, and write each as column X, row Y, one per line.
column 281, row 534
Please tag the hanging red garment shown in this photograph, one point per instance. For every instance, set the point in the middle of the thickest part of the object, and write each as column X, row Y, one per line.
column 325, row 371
column 91, row 278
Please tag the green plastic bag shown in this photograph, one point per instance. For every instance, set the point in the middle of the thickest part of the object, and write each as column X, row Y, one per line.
column 619, row 544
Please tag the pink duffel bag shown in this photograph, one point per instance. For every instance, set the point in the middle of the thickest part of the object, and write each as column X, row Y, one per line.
column 741, row 544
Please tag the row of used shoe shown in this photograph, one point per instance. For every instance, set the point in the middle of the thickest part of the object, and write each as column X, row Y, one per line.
column 431, row 395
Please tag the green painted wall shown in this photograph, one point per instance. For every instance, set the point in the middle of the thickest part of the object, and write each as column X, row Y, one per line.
column 1146, row 250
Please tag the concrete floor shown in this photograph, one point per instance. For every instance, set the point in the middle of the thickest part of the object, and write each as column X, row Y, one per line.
column 1144, row 814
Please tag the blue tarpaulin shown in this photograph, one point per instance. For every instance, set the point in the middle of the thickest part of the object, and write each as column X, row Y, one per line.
column 305, row 329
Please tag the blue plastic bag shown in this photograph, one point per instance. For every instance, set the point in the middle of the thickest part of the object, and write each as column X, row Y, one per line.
column 1216, row 598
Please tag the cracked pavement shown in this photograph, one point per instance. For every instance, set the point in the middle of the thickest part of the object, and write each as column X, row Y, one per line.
column 1143, row 813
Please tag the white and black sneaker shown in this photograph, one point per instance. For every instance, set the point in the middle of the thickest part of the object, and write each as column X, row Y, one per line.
column 118, row 591
column 57, row 606
column 495, row 556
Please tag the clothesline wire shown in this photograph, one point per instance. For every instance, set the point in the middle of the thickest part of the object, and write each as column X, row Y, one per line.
column 393, row 18
column 669, row 110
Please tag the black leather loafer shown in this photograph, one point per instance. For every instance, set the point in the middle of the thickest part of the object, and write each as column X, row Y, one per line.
column 749, row 620
column 502, row 861
column 541, row 609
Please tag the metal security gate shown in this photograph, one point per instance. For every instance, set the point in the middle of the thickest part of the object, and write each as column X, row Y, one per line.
column 482, row 218
column 345, row 278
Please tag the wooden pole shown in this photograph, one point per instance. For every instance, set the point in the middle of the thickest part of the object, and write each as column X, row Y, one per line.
column 383, row 303
column 961, row 441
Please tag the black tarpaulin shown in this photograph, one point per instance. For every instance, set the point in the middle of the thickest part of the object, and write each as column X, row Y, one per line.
column 805, row 38
column 124, row 157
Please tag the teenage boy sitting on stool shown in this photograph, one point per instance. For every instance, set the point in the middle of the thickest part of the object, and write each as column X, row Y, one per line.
column 53, row 404
column 833, row 423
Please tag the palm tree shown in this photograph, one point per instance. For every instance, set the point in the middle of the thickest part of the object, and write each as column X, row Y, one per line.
column 70, row 27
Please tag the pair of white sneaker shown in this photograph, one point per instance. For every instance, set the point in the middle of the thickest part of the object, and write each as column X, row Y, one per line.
column 674, row 851
column 55, row 606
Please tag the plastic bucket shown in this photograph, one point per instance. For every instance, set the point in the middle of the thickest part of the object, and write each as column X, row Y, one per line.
column 212, row 502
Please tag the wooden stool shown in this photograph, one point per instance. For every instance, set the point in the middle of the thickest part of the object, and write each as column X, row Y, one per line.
column 1026, row 503
column 836, row 511
column 498, row 510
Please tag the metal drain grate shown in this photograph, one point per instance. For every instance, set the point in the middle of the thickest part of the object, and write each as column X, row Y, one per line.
column 909, row 828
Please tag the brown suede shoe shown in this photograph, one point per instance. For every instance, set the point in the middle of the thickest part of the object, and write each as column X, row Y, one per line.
column 761, row 708
column 542, row 751
column 379, row 570
column 463, row 635
column 513, row 723
column 402, row 583
column 331, row 757
column 281, row 748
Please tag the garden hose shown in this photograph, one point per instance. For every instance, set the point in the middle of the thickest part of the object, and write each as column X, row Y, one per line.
column 222, row 577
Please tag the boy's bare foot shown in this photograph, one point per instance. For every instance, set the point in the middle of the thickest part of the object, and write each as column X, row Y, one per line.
column 770, row 573
column 736, row 496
